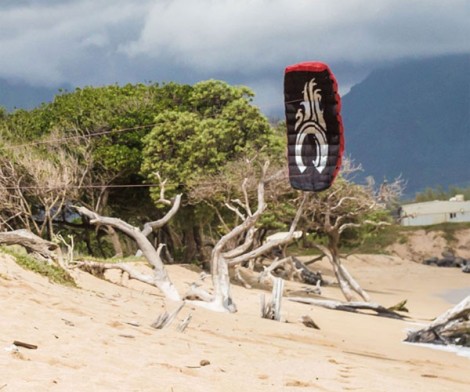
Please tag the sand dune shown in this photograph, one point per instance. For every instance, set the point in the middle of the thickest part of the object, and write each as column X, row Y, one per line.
column 98, row 337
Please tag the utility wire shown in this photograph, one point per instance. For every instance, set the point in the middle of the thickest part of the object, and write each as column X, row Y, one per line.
column 94, row 186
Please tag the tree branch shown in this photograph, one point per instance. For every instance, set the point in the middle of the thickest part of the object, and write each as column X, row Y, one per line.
column 151, row 226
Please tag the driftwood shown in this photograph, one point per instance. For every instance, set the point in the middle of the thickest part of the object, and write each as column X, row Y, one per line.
column 184, row 324
column 308, row 276
column 226, row 255
column 287, row 264
column 272, row 310
column 308, row 322
column 25, row 345
column 349, row 306
column 452, row 327
column 346, row 282
column 45, row 250
column 166, row 318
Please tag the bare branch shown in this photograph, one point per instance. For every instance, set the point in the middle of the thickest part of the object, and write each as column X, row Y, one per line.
column 349, row 306
column 161, row 278
column 366, row 222
column 243, row 247
column 271, row 244
column 162, row 183
column 235, row 210
column 342, row 200
column 151, row 226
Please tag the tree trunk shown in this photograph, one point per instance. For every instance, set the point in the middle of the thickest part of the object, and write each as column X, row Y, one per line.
column 34, row 244
column 349, row 306
column 452, row 327
column 162, row 280
column 115, row 241
column 352, row 283
column 190, row 244
column 221, row 282
column 345, row 280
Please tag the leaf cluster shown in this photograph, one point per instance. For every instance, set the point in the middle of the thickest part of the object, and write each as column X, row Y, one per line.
column 216, row 127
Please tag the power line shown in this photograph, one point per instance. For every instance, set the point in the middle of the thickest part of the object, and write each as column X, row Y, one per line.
column 90, row 135
column 93, row 186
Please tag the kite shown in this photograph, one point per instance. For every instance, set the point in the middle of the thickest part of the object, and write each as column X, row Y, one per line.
column 314, row 126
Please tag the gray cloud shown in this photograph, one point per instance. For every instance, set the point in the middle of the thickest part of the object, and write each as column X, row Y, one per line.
column 242, row 41
column 254, row 34
column 47, row 42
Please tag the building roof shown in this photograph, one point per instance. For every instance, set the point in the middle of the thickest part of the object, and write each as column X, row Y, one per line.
column 436, row 206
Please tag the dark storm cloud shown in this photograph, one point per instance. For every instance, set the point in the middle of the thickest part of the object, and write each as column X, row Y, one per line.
column 242, row 41
column 51, row 42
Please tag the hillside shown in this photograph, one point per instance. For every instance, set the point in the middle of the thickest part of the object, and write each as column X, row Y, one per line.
column 412, row 119
column 419, row 244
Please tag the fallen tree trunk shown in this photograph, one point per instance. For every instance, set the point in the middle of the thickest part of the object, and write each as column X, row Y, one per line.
column 349, row 306
column 45, row 250
column 452, row 327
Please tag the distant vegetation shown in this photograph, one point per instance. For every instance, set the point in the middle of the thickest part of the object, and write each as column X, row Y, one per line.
column 111, row 149
column 439, row 193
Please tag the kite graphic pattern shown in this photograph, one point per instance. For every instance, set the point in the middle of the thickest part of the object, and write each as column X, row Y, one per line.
column 310, row 121
column 314, row 126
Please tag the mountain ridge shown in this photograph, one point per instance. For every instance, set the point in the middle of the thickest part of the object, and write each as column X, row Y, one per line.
column 412, row 120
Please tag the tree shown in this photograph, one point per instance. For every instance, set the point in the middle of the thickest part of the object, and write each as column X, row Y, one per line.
column 218, row 125
column 439, row 193
column 238, row 246
column 213, row 123
column 232, row 249
column 114, row 119
column 36, row 184
column 343, row 207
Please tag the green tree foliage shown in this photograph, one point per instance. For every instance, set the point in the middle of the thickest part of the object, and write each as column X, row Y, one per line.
column 119, row 116
column 179, row 130
column 219, row 125
column 215, row 125
column 439, row 193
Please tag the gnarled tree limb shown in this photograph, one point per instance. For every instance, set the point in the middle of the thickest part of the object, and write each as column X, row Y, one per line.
column 161, row 278
column 34, row 244
column 452, row 327
column 349, row 306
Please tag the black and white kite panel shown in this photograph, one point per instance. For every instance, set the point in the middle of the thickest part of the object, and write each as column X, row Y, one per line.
column 314, row 126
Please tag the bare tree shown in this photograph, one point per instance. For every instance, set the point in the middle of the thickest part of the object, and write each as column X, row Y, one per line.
column 232, row 249
column 160, row 277
column 15, row 206
column 238, row 245
column 37, row 182
column 344, row 206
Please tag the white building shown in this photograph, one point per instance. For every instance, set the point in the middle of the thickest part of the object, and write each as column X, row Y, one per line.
column 433, row 212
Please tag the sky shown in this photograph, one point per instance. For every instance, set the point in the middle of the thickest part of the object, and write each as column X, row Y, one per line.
column 51, row 43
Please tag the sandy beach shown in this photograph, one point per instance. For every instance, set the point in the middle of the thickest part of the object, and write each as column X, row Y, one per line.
column 98, row 337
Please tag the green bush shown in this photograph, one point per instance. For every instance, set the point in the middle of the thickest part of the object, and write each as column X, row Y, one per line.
column 52, row 272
